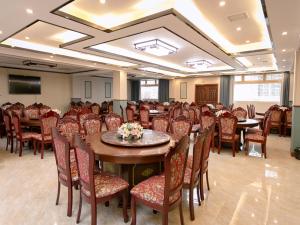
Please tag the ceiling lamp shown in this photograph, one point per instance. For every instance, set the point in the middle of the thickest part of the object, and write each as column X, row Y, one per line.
column 156, row 47
column 199, row 64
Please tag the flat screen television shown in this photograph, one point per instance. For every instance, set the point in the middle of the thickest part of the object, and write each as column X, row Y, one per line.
column 24, row 84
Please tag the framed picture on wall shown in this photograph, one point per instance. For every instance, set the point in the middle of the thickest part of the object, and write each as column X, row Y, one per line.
column 183, row 90
column 107, row 90
column 88, row 89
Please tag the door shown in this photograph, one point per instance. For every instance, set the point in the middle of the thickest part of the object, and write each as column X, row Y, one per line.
column 206, row 94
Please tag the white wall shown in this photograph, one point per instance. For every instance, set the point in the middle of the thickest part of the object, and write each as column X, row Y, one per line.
column 191, row 86
column 56, row 89
column 98, row 88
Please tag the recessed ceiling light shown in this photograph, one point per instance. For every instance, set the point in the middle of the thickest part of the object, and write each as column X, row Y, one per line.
column 283, row 60
column 29, row 11
column 102, row 1
column 238, row 28
column 222, row 3
column 247, row 41
column 258, row 58
column 51, row 56
column 284, row 33
column 283, row 50
column 1, row 32
column 27, row 38
column 283, row 66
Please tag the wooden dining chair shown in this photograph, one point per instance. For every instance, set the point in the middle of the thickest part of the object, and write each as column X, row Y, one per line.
column 180, row 127
column 259, row 137
column 287, row 120
column 240, row 113
column 160, row 107
column 82, row 116
column 9, row 131
column 48, row 121
column 113, row 121
column 208, row 119
column 227, row 131
column 68, row 127
column 144, row 118
column 95, row 107
column 130, row 114
column 96, row 187
column 92, row 124
column 21, row 136
column 72, row 114
column 276, row 119
column 67, row 172
column 32, row 112
column 192, row 172
column 164, row 192
column 160, row 123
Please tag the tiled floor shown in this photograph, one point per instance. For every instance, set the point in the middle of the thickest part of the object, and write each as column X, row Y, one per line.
column 244, row 190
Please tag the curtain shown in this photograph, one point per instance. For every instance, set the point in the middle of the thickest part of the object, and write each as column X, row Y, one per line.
column 225, row 90
column 135, row 90
column 163, row 90
column 285, row 94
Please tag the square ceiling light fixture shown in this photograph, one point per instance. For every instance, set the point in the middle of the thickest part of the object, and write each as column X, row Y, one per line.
column 199, row 64
column 156, row 47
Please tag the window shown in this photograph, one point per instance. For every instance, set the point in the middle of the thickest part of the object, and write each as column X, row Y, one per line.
column 265, row 88
column 149, row 89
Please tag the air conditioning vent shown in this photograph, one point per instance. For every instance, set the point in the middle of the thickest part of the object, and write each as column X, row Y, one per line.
column 39, row 64
column 237, row 17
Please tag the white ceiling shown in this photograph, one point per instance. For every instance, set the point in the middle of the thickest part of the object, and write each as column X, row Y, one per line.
column 16, row 23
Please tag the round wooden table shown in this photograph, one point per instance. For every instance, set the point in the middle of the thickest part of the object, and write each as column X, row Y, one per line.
column 30, row 122
column 125, row 155
column 247, row 123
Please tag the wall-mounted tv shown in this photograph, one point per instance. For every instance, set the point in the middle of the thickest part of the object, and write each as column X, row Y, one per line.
column 24, row 84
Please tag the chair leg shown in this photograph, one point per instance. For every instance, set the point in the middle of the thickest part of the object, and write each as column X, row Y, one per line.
column 191, row 203
column 207, row 182
column 7, row 141
column 133, row 211
column 42, row 150
column 265, row 150
column 34, row 147
column 247, row 148
column 233, row 149
column 125, row 214
column 94, row 212
column 201, row 187
column 198, row 195
column 58, row 192
column 181, row 213
column 70, row 201
column 165, row 218
column 21, row 149
column 213, row 142
column 79, row 208
column 219, row 146
column 11, row 144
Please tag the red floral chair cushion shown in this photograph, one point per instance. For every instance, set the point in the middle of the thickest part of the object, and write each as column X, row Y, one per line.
column 152, row 190
column 207, row 121
column 113, row 123
column 254, row 131
column 227, row 125
column 32, row 113
column 48, row 123
column 160, row 124
column 180, row 129
column 39, row 137
column 74, row 172
column 177, row 166
column 229, row 137
column 68, row 129
column 106, row 185
column 255, row 137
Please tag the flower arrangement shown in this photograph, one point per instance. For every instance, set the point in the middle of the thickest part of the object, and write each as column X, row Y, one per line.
column 130, row 131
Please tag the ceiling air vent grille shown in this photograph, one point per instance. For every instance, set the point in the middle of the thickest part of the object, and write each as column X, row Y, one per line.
column 237, row 17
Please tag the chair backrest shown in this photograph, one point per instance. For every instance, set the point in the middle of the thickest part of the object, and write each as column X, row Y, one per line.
column 82, row 117
column 130, row 114
column 288, row 116
column 227, row 125
column 113, row 122
column 177, row 111
column 95, row 108
column 276, row 115
column 197, row 155
column 207, row 119
column 72, row 114
column 230, row 107
column 92, row 125
column 192, row 115
column 160, row 107
column 144, row 115
column 122, row 111
column 16, row 122
column 32, row 112
column 185, row 105
column 267, row 125
column 16, row 109
column 62, row 153
column 219, row 106
column 239, row 112
column 198, row 113
column 180, row 127
column 48, row 121
column 206, row 147
column 132, row 106
column 7, row 122
column 174, row 164
column 85, row 160
column 110, row 107
column 68, row 127
column 185, row 112
column 160, row 123
column 44, row 109
column 204, row 108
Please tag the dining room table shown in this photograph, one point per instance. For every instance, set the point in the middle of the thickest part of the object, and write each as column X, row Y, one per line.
column 26, row 122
